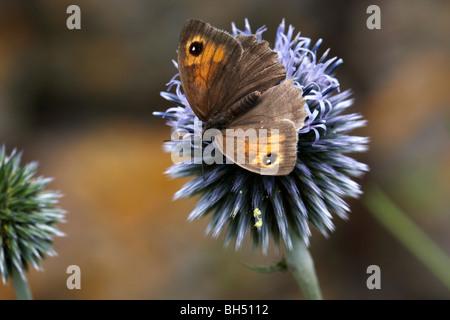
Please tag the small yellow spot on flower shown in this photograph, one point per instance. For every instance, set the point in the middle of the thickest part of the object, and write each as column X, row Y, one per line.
column 257, row 214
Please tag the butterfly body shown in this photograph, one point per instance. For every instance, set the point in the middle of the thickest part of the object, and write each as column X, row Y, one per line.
column 236, row 83
column 221, row 120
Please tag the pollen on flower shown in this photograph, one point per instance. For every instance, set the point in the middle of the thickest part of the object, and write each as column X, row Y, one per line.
column 257, row 214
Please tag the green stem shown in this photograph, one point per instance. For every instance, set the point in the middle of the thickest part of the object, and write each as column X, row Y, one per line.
column 20, row 285
column 301, row 264
column 409, row 234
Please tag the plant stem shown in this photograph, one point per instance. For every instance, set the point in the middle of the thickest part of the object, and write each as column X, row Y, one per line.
column 301, row 264
column 409, row 234
column 20, row 285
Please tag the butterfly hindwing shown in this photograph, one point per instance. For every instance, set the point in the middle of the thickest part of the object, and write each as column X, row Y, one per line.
column 283, row 101
column 266, row 151
column 264, row 140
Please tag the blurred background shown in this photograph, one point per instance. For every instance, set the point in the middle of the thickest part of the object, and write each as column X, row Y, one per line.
column 81, row 101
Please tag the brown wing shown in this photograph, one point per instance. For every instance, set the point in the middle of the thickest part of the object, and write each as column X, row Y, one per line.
column 266, row 151
column 280, row 102
column 258, row 69
column 217, row 69
column 206, row 60
column 264, row 140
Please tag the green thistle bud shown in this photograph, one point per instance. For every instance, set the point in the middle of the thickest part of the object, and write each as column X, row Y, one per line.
column 28, row 215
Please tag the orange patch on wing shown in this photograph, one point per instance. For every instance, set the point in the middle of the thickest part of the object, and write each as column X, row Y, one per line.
column 265, row 146
column 206, row 62
column 256, row 151
column 191, row 59
column 219, row 54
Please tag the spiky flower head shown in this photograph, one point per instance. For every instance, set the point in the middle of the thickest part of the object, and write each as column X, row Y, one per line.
column 241, row 201
column 28, row 215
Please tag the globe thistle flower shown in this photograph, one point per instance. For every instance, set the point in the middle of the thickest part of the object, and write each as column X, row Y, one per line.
column 240, row 201
column 27, row 216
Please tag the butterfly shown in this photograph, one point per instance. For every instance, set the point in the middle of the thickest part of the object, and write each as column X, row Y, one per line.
column 236, row 85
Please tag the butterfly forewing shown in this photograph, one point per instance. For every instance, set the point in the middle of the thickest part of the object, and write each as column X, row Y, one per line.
column 206, row 60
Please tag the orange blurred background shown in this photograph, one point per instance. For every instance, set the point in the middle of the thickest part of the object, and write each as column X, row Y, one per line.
column 81, row 101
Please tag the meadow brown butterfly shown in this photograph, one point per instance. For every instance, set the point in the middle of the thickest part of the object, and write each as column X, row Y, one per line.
column 237, row 85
